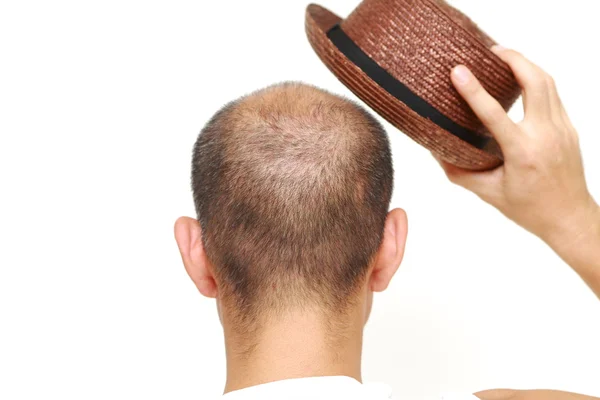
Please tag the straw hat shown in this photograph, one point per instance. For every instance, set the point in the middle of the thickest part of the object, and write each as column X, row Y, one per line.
column 397, row 55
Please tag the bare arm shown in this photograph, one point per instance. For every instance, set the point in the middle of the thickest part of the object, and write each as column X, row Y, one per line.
column 505, row 394
column 541, row 185
column 581, row 250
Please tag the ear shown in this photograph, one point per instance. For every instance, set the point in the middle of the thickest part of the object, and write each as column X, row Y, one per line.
column 391, row 251
column 188, row 235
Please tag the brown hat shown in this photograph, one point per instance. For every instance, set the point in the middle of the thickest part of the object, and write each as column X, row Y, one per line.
column 397, row 55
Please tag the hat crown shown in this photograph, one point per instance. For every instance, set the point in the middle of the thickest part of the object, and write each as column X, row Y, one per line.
column 419, row 42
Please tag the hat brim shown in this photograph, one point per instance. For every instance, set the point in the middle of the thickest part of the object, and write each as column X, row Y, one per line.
column 445, row 145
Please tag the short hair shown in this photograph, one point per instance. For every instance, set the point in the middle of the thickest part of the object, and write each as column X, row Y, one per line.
column 292, row 186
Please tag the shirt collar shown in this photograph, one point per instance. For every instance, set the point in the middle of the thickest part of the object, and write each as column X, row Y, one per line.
column 325, row 387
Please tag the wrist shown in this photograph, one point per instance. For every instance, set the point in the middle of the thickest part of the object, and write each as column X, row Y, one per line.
column 580, row 229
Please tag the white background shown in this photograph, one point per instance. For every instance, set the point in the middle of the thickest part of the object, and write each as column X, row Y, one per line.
column 100, row 104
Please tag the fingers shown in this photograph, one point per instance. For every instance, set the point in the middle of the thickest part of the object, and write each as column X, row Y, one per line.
column 540, row 97
column 487, row 109
column 498, row 394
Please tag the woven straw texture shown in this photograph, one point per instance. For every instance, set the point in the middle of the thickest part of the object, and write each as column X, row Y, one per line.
column 419, row 42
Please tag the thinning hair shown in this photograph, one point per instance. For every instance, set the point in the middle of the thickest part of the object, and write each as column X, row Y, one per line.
column 292, row 187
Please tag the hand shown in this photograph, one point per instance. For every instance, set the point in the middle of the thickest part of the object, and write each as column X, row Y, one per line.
column 505, row 394
column 541, row 185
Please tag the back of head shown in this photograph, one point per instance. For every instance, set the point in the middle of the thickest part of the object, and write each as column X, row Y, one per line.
column 292, row 187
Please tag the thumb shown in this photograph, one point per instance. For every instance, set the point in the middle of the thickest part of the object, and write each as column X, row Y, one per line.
column 477, row 182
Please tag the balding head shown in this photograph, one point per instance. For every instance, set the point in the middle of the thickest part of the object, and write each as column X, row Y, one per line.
column 292, row 187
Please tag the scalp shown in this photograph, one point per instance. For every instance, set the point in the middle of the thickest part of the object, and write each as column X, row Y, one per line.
column 292, row 186
column 294, row 139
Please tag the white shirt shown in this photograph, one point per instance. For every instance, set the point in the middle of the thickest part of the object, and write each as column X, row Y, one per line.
column 321, row 388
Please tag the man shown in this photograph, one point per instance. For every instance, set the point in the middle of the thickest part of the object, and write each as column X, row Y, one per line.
column 292, row 187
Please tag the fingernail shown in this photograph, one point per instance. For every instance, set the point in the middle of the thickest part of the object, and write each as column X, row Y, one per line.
column 497, row 48
column 462, row 74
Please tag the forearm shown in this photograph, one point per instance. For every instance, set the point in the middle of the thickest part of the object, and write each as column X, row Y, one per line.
column 579, row 246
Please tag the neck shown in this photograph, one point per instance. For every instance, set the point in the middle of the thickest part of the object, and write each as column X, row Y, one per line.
column 298, row 345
